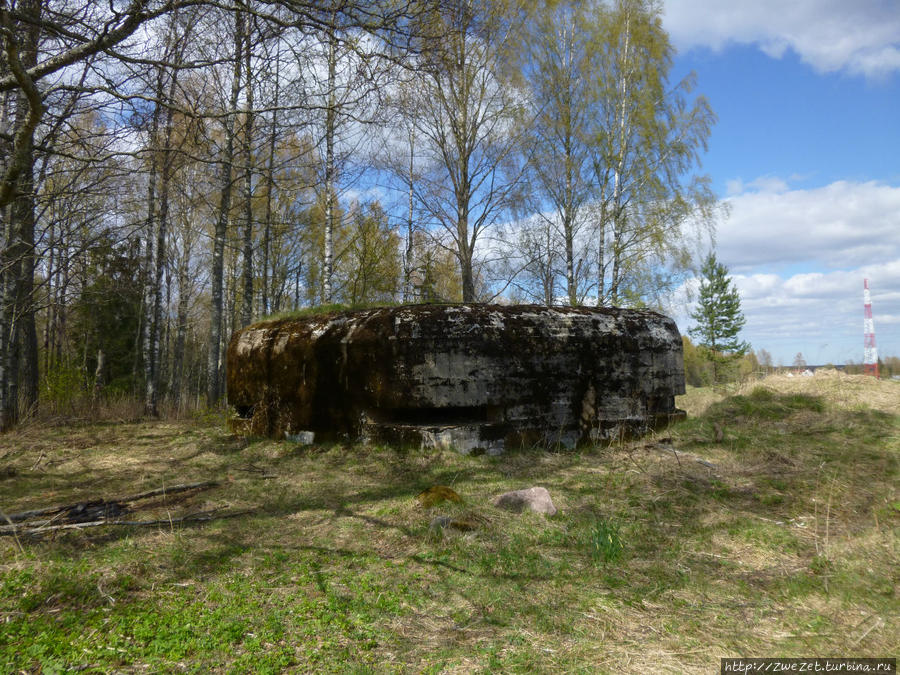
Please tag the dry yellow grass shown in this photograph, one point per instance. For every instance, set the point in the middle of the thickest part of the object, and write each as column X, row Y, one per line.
column 841, row 390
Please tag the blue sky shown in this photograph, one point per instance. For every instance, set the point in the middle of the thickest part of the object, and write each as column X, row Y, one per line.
column 807, row 153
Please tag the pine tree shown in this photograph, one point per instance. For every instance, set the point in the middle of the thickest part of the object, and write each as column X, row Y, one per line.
column 718, row 316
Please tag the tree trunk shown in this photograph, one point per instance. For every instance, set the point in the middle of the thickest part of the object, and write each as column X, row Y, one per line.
column 154, row 366
column 180, row 334
column 24, row 206
column 549, row 274
column 410, row 229
column 213, row 380
column 601, row 260
column 18, row 335
column 247, row 269
column 9, row 367
column 618, row 214
column 22, row 222
column 330, row 122
column 99, row 381
column 465, row 259
column 270, row 188
column 47, row 339
column 62, row 292
column 154, row 323
column 616, row 261
column 571, row 283
column 147, row 315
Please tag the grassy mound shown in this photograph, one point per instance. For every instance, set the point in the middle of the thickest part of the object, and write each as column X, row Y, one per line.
column 766, row 524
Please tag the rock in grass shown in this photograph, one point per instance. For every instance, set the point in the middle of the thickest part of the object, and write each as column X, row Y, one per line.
column 535, row 499
column 465, row 523
column 437, row 494
column 437, row 525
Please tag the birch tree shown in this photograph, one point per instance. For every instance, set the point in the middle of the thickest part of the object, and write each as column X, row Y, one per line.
column 49, row 49
column 471, row 119
column 560, row 82
column 645, row 156
column 397, row 157
column 248, row 158
column 354, row 63
column 217, row 307
column 177, row 36
column 162, row 171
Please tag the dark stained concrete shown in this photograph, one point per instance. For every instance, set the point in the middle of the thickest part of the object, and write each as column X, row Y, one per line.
column 474, row 377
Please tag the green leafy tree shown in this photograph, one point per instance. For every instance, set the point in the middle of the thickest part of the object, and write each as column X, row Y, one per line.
column 559, row 71
column 107, row 315
column 698, row 370
column 615, row 146
column 648, row 134
column 372, row 261
column 719, row 317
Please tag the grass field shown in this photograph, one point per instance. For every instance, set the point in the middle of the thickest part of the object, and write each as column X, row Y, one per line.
column 765, row 525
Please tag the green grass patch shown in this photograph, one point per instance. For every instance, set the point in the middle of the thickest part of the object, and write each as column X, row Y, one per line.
column 605, row 542
column 764, row 404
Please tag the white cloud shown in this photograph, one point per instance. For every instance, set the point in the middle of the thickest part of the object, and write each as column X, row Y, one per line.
column 821, row 314
column 762, row 184
column 799, row 257
column 856, row 36
column 360, row 195
column 841, row 225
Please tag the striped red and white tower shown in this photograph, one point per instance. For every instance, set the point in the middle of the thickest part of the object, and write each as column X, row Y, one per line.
column 870, row 358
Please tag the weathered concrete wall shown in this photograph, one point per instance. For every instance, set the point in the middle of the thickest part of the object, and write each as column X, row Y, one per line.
column 471, row 376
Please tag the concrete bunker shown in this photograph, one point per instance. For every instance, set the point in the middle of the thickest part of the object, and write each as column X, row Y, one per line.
column 472, row 377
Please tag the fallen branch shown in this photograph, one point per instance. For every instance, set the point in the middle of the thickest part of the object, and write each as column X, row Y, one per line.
column 202, row 516
column 202, row 485
column 116, row 506
column 879, row 623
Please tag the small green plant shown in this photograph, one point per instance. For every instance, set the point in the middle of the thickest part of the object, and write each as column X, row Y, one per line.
column 63, row 384
column 605, row 542
column 820, row 564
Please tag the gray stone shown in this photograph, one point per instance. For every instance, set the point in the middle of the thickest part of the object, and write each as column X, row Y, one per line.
column 535, row 499
column 302, row 437
column 438, row 524
column 477, row 378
